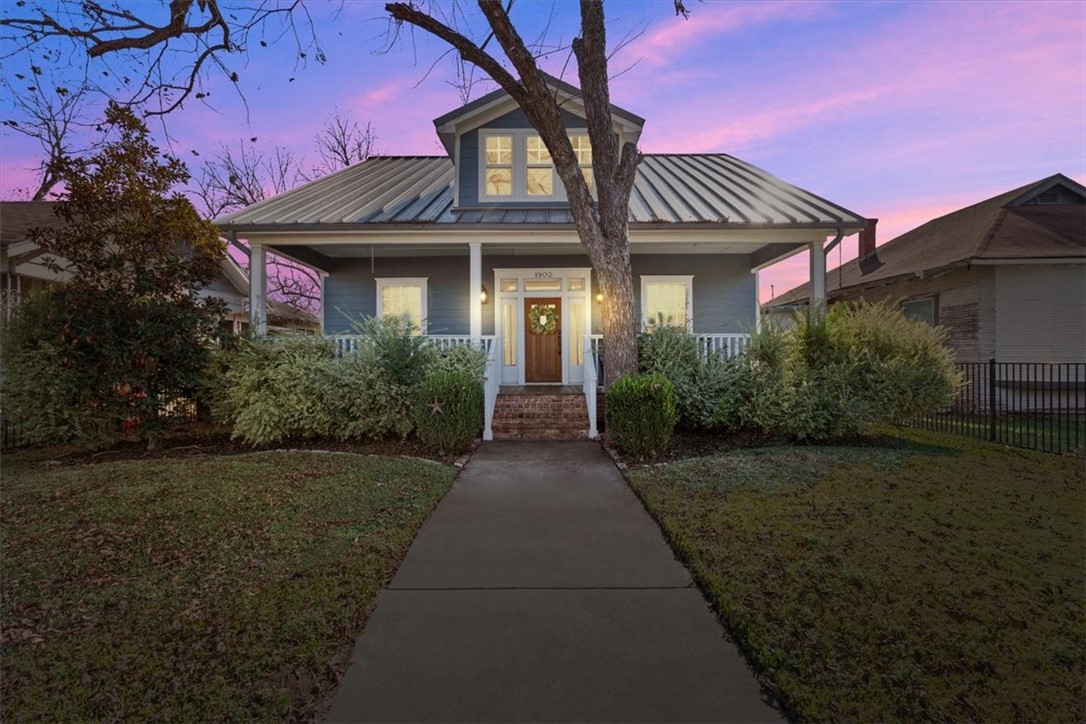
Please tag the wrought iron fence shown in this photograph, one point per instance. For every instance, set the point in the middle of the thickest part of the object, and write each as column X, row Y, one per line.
column 175, row 408
column 1037, row 405
column 11, row 435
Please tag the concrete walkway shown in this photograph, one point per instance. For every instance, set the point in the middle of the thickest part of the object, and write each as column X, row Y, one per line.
column 541, row 590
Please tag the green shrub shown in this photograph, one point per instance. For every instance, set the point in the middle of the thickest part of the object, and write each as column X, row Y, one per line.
column 671, row 351
column 83, row 364
column 449, row 410
column 396, row 347
column 702, row 387
column 297, row 387
column 900, row 364
column 765, row 379
column 641, row 414
column 834, row 376
column 460, row 357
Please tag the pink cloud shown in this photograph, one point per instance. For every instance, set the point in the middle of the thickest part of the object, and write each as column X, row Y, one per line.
column 709, row 22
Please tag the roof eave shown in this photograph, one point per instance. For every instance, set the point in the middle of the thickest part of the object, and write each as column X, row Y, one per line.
column 447, row 226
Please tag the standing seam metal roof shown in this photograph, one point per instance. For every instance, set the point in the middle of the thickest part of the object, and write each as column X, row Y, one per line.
column 678, row 189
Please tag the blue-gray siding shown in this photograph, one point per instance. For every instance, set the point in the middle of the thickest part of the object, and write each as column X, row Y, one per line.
column 723, row 287
column 469, row 160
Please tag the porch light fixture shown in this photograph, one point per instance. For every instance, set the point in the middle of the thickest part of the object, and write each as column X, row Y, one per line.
column 599, row 297
column 483, row 295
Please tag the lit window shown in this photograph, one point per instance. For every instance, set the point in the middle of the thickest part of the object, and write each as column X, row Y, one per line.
column 540, row 174
column 509, row 334
column 403, row 299
column 582, row 149
column 499, row 165
column 515, row 165
column 666, row 301
column 922, row 310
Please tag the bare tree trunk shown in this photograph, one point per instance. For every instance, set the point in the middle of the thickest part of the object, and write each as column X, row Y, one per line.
column 601, row 222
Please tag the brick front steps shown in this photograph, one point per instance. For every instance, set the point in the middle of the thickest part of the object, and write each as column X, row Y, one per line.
column 547, row 413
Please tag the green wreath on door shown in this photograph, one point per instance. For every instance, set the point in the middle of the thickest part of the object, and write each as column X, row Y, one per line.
column 542, row 319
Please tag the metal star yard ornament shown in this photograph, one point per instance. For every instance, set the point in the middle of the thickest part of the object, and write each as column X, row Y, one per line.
column 436, row 407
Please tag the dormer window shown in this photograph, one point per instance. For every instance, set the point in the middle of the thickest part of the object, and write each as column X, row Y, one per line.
column 582, row 148
column 499, row 165
column 540, row 177
column 516, row 166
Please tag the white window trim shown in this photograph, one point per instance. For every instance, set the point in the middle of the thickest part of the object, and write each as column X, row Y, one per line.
column 687, row 279
column 931, row 299
column 383, row 282
column 520, row 165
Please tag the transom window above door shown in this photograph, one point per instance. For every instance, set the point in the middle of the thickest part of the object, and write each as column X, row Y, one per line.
column 515, row 165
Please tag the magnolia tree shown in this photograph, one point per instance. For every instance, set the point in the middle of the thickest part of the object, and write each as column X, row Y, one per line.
column 117, row 346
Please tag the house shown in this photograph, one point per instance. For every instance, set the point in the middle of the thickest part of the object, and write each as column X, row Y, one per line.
column 25, row 268
column 232, row 286
column 1006, row 277
column 479, row 244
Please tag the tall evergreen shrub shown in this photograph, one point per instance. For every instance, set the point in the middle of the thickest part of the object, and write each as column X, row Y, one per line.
column 641, row 414
column 449, row 411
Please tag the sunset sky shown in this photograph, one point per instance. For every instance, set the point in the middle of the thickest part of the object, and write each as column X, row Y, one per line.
column 897, row 110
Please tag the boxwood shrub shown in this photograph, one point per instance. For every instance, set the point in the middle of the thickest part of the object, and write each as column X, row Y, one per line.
column 449, row 411
column 641, row 414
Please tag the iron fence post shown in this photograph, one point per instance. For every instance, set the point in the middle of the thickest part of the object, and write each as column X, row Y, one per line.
column 992, row 400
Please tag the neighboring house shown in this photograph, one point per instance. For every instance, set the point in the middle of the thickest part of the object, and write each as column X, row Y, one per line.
column 232, row 286
column 1005, row 277
column 480, row 243
column 25, row 268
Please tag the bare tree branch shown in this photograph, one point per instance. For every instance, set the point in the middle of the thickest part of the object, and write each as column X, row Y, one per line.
column 49, row 113
column 342, row 142
column 197, row 36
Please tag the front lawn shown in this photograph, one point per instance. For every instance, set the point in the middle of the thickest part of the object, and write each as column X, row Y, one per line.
column 209, row 588
column 923, row 577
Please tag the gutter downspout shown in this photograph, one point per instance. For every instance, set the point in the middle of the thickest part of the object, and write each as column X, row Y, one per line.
column 826, row 252
column 836, row 240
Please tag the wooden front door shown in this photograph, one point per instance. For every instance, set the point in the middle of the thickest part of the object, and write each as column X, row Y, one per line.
column 543, row 340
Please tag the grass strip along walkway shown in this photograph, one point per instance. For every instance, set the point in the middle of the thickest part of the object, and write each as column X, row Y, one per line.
column 214, row 588
column 927, row 577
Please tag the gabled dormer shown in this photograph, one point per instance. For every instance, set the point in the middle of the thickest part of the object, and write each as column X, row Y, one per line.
column 1056, row 190
column 501, row 161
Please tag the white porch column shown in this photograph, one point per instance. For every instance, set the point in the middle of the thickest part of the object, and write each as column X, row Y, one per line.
column 757, row 303
column 475, row 285
column 818, row 276
column 258, row 290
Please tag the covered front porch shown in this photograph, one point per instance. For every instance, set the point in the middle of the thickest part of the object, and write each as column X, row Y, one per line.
column 535, row 307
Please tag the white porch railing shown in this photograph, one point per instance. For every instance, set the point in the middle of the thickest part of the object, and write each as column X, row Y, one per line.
column 722, row 346
column 591, row 385
column 347, row 343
